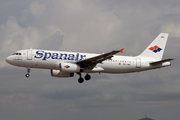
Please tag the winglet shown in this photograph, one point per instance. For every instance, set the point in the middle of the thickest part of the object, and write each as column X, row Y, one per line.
column 121, row 50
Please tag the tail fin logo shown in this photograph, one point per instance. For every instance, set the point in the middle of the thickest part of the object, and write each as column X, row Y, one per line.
column 155, row 49
column 67, row 66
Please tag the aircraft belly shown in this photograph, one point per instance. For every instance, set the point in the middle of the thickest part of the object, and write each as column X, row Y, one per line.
column 38, row 64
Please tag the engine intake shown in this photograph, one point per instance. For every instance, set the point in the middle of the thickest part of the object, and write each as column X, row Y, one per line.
column 58, row 73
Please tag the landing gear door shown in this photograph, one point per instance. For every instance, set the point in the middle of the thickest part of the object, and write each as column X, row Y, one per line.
column 138, row 63
column 29, row 54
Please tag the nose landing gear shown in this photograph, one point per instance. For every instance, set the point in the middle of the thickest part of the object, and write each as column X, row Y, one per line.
column 28, row 71
column 27, row 75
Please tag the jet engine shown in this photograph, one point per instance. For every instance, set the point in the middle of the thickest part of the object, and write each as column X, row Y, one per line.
column 58, row 73
column 69, row 67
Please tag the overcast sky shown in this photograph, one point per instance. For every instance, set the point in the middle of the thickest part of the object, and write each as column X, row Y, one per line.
column 95, row 26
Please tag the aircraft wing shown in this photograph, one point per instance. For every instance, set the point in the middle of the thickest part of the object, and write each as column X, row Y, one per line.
column 98, row 59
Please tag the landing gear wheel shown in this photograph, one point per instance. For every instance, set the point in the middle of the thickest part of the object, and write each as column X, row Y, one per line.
column 28, row 71
column 27, row 75
column 87, row 77
column 80, row 80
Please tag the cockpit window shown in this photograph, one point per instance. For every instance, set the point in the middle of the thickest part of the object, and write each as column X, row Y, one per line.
column 16, row 54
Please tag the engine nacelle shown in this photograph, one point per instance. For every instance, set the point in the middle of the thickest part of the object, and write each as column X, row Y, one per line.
column 69, row 67
column 58, row 73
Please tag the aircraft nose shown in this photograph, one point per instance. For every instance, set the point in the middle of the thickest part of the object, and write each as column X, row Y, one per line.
column 8, row 59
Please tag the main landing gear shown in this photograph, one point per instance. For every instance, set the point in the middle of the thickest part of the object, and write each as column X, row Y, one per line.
column 28, row 71
column 87, row 77
column 81, row 80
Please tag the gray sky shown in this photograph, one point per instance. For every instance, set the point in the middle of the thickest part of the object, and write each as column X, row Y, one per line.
column 95, row 26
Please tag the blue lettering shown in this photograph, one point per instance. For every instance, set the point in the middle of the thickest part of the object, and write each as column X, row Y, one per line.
column 55, row 56
column 82, row 56
column 61, row 56
column 71, row 57
column 77, row 57
column 46, row 56
column 39, row 54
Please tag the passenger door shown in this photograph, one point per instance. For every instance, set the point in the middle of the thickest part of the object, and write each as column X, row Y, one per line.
column 138, row 63
column 29, row 54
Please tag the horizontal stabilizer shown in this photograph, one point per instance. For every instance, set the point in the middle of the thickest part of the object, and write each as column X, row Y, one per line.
column 161, row 61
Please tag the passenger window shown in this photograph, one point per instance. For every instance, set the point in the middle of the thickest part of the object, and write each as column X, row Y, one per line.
column 16, row 53
column 19, row 53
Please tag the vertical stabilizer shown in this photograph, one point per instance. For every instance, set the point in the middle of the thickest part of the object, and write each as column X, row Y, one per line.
column 156, row 48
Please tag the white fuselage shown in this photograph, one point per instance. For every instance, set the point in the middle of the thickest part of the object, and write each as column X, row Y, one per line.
column 46, row 59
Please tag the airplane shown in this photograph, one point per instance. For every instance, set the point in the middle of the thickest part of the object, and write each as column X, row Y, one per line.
column 65, row 64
